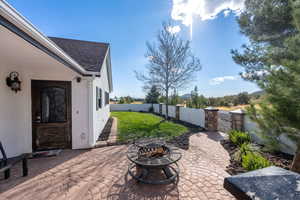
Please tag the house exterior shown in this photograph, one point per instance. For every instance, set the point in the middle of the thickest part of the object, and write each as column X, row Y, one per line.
column 65, row 86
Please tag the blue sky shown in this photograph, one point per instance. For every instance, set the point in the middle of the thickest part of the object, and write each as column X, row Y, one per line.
column 128, row 24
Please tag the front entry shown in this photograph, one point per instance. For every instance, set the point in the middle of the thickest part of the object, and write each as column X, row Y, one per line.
column 51, row 115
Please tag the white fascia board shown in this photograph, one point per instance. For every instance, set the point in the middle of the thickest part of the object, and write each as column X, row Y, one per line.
column 109, row 70
column 12, row 15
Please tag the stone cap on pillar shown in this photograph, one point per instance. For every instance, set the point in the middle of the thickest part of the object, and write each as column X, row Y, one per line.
column 210, row 108
column 238, row 111
column 179, row 105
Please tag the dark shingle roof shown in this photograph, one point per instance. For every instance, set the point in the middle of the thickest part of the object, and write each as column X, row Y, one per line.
column 90, row 55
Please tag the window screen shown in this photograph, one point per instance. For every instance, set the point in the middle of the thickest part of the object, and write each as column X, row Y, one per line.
column 106, row 98
column 98, row 98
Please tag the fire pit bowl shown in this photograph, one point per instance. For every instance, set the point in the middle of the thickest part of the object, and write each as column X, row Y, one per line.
column 153, row 161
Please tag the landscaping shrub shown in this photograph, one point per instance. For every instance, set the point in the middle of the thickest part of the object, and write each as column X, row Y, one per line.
column 244, row 149
column 239, row 137
column 252, row 161
column 241, row 152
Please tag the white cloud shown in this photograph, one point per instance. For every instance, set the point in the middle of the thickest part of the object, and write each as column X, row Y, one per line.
column 185, row 10
column 226, row 12
column 174, row 29
column 219, row 80
column 257, row 74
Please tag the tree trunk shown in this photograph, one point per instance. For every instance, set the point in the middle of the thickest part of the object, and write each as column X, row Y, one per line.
column 296, row 161
column 167, row 106
column 167, row 111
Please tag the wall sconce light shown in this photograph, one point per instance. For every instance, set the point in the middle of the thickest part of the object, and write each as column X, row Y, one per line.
column 78, row 79
column 13, row 81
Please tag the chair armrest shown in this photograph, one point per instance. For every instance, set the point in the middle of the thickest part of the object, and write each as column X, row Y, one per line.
column 14, row 160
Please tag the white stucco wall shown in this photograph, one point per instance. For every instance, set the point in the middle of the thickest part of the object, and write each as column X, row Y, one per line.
column 100, row 116
column 15, row 108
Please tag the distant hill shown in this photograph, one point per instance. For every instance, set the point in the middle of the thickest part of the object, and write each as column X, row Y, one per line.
column 257, row 93
column 253, row 94
column 185, row 96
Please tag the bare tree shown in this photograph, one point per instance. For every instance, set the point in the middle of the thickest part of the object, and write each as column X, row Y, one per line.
column 171, row 63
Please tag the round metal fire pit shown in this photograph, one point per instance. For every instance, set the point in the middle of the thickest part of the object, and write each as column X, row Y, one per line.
column 153, row 161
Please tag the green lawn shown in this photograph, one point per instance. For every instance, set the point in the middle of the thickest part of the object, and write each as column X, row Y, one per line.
column 132, row 125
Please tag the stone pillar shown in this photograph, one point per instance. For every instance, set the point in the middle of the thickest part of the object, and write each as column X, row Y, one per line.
column 160, row 108
column 177, row 117
column 211, row 119
column 237, row 120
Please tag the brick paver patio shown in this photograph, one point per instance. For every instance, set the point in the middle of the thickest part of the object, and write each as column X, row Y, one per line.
column 101, row 174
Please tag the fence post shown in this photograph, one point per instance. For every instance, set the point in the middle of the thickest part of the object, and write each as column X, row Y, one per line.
column 177, row 115
column 237, row 120
column 160, row 108
column 211, row 118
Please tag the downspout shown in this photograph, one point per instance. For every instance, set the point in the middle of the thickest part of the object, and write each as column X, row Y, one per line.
column 90, row 112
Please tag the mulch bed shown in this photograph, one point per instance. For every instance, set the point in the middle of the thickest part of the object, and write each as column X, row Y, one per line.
column 277, row 159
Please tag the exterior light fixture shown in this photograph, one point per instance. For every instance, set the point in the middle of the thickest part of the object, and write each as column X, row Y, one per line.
column 13, row 81
column 78, row 79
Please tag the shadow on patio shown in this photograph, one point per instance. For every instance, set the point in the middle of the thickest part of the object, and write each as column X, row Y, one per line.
column 127, row 188
column 36, row 166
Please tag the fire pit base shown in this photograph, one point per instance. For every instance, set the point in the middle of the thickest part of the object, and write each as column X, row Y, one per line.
column 158, row 175
column 153, row 161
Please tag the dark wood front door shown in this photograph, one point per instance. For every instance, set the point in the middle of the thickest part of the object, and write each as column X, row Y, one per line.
column 51, row 114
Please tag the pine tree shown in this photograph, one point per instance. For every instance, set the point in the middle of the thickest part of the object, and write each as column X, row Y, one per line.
column 153, row 95
column 272, row 60
column 195, row 98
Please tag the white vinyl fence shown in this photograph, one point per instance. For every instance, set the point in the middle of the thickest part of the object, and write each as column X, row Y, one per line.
column 130, row 107
column 286, row 144
column 163, row 110
column 156, row 108
column 197, row 117
column 192, row 116
column 189, row 115
column 171, row 111
column 252, row 128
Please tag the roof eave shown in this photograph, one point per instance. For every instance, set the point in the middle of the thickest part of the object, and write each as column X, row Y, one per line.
column 108, row 68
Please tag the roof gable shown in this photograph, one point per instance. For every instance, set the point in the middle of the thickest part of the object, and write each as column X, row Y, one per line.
column 90, row 55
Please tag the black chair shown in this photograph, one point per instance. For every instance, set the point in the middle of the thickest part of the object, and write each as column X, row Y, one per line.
column 7, row 163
